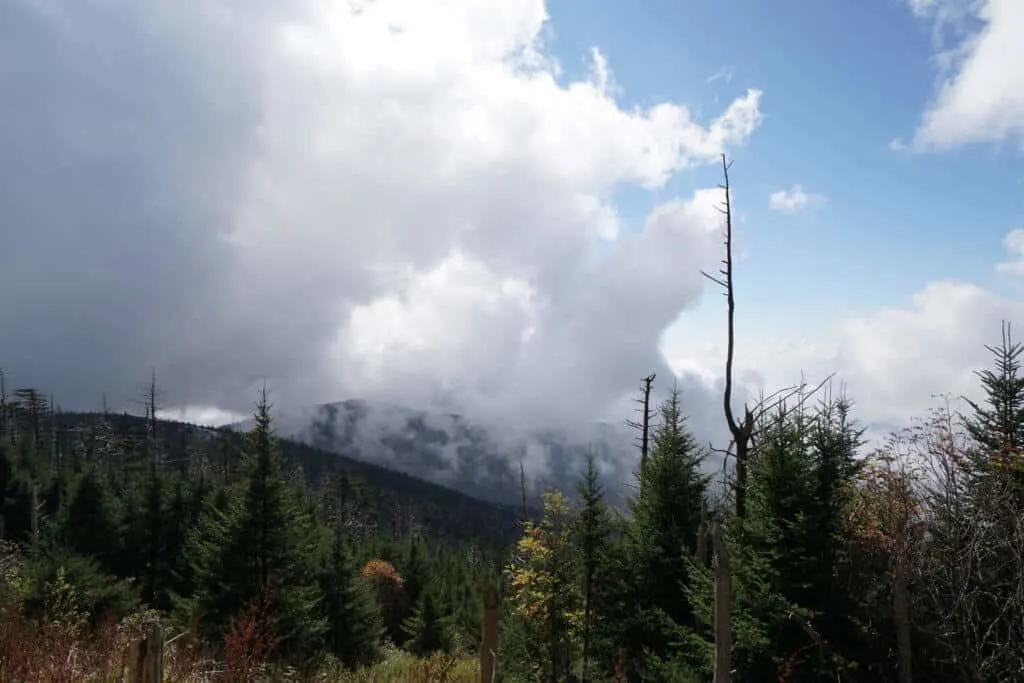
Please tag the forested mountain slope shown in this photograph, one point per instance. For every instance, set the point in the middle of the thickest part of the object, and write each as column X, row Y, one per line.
column 386, row 499
column 481, row 460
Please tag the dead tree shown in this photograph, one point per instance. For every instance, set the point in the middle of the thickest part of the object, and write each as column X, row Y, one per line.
column 723, row 607
column 489, row 637
column 741, row 430
column 3, row 405
column 522, row 491
column 644, row 423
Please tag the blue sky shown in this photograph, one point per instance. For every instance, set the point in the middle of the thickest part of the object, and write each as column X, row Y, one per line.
column 840, row 82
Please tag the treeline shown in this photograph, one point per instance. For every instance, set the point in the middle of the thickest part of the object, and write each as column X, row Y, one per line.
column 902, row 564
column 221, row 535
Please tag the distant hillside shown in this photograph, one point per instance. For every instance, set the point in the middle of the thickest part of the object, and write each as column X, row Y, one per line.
column 449, row 449
column 386, row 498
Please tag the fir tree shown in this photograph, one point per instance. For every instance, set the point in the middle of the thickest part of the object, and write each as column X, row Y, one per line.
column 416, row 574
column 155, row 578
column 89, row 526
column 998, row 424
column 667, row 516
column 354, row 626
column 427, row 630
column 593, row 531
column 262, row 539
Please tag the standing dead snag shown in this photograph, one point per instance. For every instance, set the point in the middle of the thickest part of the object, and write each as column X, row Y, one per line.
column 643, row 425
column 741, row 431
column 489, row 637
column 723, row 606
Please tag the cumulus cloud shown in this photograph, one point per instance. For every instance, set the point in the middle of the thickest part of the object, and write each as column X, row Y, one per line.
column 340, row 198
column 794, row 199
column 893, row 360
column 1014, row 244
column 980, row 94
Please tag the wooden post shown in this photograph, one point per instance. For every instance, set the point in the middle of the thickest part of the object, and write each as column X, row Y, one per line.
column 489, row 640
column 723, row 607
column 149, row 661
column 901, row 617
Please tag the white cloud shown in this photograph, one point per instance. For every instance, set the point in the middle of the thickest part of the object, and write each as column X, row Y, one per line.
column 794, row 199
column 207, row 416
column 893, row 360
column 724, row 74
column 382, row 197
column 1014, row 244
column 980, row 96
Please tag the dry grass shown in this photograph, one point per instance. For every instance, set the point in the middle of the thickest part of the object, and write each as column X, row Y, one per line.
column 59, row 646
column 56, row 654
column 400, row 667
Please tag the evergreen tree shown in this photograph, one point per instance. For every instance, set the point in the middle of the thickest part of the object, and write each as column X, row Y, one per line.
column 593, row 535
column 155, row 579
column 667, row 515
column 89, row 525
column 427, row 630
column 789, row 548
column 353, row 624
column 998, row 424
column 416, row 574
column 262, row 540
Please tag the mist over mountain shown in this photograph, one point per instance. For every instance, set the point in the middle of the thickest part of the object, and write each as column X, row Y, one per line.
column 479, row 458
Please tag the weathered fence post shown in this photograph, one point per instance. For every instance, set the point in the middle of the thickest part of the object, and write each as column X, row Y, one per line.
column 723, row 607
column 149, row 662
column 489, row 639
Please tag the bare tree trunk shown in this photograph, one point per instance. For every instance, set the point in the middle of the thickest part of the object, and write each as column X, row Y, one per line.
column 489, row 639
column 643, row 425
column 3, row 405
column 901, row 616
column 723, row 608
column 741, row 431
column 522, row 490
column 555, row 641
column 587, row 598
column 149, row 663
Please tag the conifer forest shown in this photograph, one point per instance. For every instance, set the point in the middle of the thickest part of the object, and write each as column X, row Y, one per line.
column 137, row 548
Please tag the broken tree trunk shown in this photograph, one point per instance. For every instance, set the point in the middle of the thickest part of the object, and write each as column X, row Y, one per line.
column 723, row 607
column 489, row 638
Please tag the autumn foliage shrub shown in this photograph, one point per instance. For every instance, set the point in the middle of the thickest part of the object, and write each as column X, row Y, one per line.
column 252, row 639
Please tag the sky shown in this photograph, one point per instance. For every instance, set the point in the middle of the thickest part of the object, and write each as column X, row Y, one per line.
column 503, row 207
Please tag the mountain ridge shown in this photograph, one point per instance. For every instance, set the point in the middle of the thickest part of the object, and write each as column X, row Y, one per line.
column 448, row 448
column 385, row 497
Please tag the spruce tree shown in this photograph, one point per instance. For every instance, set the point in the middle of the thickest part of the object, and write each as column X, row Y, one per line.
column 416, row 574
column 427, row 630
column 791, row 547
column 262, row 540
column 593, row 532
column 667, row 516
column 89, row 525
column 354, row 626
column 997, row 424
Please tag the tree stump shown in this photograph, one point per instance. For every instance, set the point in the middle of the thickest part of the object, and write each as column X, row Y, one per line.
column 149, row 660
